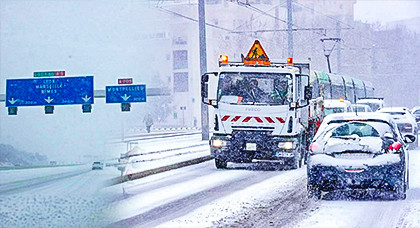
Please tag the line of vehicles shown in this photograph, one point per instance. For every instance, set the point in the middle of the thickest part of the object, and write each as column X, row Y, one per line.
column 273, row 113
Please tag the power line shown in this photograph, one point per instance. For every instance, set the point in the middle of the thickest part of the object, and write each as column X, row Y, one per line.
column 341, row 22
column 259, row 14
column 282, row 30
column 192, row 19
column 251, row 7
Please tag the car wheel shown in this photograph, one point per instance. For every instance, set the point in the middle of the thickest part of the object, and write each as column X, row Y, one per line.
column 313, row 192
column 220, row 163
column 400, row 191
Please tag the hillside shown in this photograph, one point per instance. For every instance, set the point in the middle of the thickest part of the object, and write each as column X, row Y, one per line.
column 9, row 156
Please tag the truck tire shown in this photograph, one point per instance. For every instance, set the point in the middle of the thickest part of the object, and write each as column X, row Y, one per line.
column 220, row 163
column 298, row 163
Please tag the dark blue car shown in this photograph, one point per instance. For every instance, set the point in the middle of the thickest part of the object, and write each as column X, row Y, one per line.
column 363, row 151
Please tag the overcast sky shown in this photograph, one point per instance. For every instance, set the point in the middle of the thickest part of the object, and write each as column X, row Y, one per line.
column 386, row 11
column 70, row 35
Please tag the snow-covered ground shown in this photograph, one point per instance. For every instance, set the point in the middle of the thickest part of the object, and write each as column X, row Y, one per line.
column 16, row 175
column 194, row 196
column 202, row 196
column 69, row 201
column 157, row 152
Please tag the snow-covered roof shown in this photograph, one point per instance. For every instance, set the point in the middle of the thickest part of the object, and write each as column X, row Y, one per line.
column 359, row 116
column 259, row 69
column 336, row 103
column 364, row 101
column 394, row 109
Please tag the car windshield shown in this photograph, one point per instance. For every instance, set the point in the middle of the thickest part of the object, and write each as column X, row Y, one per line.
column 255, row 88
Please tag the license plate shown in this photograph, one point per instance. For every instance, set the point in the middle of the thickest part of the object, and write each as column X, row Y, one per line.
column 284, row 154
column 251, row 146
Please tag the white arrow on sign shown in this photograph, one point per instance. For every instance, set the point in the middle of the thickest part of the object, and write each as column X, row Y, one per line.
column 13, row 101
column 86, row 98
column 48, row 100
column 125, row 97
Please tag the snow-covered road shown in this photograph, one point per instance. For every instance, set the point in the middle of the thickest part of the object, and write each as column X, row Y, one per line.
column 74, row 198
column 195, row 196
column 202, row 196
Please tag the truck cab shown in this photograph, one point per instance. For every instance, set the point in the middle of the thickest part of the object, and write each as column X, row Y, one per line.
column 260, row 110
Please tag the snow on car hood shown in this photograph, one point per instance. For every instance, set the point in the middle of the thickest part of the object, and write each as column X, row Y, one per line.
column 353, row 143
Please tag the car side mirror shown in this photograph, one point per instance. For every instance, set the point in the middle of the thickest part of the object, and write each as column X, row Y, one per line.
column 409, row 138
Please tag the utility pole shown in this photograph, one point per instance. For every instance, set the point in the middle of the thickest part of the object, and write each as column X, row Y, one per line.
column 290, row 27
column 338, row 35
column 203, row 66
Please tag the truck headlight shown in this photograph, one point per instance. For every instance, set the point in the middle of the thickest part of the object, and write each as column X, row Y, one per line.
column 286, row 145
column 218, row 143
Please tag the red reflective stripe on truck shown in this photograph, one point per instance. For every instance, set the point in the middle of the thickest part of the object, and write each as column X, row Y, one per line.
column 247, row 119
column 225, row 118
column 258, row 119
column 269, row 119
column 280, row 119
column 236, row 118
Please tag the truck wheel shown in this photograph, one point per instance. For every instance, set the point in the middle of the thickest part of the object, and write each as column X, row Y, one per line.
column 220, row 163
column 297, row 163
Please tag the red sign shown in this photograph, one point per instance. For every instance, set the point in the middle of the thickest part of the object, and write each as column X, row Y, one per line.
column 125, row 81
column 59, row 73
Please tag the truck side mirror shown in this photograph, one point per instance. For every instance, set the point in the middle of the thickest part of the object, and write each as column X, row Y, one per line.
column 204, row 88
column 308, row 92
column 209, row 83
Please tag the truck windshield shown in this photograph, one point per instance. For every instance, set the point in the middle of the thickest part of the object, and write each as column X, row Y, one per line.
column 255, row 88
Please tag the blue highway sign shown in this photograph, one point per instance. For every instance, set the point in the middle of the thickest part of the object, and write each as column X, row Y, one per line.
column 125, row 94
column 49, row 91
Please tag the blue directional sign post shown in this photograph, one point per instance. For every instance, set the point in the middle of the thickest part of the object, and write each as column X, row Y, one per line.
column 125, row 94
column 49, row 91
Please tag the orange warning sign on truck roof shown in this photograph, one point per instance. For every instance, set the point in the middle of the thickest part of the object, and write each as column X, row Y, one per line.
column 256, row 55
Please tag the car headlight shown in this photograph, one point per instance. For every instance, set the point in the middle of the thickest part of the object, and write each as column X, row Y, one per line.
column 286, row 145
column 218, row 143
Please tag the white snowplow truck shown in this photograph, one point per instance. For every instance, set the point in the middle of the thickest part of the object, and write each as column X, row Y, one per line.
column 261, row 110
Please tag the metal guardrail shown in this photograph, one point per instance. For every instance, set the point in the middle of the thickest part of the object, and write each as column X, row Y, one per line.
column 100, row 93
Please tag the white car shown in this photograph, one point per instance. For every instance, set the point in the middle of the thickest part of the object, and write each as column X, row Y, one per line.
column 336, row 106
column 374, row 103
column 360, row 108
column 416, row 113
column 97, row 165
column 405, row 121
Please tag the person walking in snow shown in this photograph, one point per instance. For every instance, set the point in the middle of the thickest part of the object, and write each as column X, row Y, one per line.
column 148, row 120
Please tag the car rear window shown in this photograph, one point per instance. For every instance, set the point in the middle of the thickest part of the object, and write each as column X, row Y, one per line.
column 356, row 128
column 396, row 113
column 333, row 110
column 373, row 128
